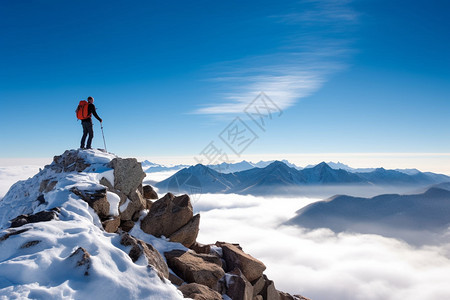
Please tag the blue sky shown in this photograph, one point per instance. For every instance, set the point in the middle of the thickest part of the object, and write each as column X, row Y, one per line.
column 168, row 78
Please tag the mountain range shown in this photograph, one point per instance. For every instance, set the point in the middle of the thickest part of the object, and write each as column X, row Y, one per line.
column 279, row 178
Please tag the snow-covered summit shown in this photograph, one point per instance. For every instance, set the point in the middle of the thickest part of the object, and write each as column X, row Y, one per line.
column 70, row 256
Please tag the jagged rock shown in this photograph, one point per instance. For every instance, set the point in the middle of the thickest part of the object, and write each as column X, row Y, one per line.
column 200, row 248
column 175, row 279
column 42, row 216
column 199, row 292
column 236, row 258
column 96, row 199
column 128, row 174
column 111, row 225
column 258, row 297
column 139, row 248
column 47, row 185
column 69, row 161
column 167, row 215
column 187, row 234
column 192, row 267
column 238, row 287
column 258, row 285
column 82, row 259
column 269, row 291
column 149, row 192
column 126, row 225
column 10, row 232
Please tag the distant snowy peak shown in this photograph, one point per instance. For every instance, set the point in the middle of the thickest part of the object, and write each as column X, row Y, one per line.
column 150, row 167
column 277, row 177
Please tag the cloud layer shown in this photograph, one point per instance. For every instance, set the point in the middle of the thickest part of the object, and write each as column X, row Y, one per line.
column 321, row 264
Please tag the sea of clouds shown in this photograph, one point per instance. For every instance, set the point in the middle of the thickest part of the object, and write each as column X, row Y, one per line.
column 321, row 264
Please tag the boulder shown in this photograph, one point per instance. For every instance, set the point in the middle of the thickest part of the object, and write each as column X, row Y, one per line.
column 187, row 234
column 111, row 225
column 149, row 192
column 199, row 292
column 238, row 287
column 199, row 268
column 139, row 248
column 236, row 258
column 128, row 174
column 96, row 198
column 167, row 215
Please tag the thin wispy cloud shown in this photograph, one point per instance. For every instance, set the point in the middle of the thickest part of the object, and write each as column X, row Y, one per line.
column 310, row 52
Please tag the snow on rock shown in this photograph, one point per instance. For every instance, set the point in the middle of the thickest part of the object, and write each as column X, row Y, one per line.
column 70, row 256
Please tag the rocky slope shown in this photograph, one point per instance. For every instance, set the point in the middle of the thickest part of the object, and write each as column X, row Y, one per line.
column 86, row 227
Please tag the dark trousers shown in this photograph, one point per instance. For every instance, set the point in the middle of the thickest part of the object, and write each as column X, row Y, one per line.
column 87, row 132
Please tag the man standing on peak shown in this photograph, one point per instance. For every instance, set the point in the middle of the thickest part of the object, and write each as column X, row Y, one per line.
column 87, row 124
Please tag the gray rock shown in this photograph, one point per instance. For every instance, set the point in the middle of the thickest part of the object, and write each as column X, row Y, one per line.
column 128, row 174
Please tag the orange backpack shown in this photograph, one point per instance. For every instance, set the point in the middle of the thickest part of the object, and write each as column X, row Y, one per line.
column 82, row 110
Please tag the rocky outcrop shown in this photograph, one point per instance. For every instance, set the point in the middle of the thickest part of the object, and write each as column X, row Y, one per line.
column 199, row 292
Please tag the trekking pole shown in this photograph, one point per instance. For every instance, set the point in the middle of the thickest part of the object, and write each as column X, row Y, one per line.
column 101, row 124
